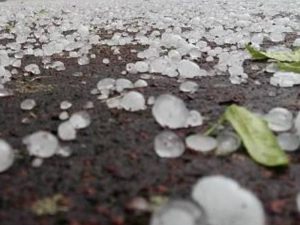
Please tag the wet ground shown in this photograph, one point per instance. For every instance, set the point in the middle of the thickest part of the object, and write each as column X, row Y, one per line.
column 113, row 160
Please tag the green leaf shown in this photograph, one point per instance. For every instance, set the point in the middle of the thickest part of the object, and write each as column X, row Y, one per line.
column 258, row 139
column 289, row 67
column 256, row 54
column 278, row 56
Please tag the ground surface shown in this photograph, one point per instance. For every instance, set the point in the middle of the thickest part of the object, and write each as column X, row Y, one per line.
column 113, row 160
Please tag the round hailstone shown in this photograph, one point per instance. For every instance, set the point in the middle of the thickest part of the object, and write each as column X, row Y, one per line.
column 140, row 83
column 83, row 60
column 201, row 143
column 189, row 86
column 32, row 68
column 7, row 156
column 65, row 105
column 41, row 144
column 122, row 84
column 80, row 120
column 170, row 111
column 133, row 101
column 188, row 69
column 179, row 212
column 174, row 56
column 106, row 84
column 64, row 115
column 58, row 65
column 228, row 142
column 279, row 119
column 66, row 131
column 288, row 141
column 130, row 68
column 106, row 61
column 195, row 119
column 167, row 144
column 226, row 203
column 28, row 104
column 142, row 66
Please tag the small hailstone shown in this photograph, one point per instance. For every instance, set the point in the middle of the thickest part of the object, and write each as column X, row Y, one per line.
column 88, row 105
column 95, row 91
column 32, row 68
column 105, row 61
column 133, row 101
column 167, row 144
column 179, row 212
column 106, row 84
column 59, row 66
column 228, row 142
column 66, row 131
column 64, row 115
column 41, row 144
column 140, row 83
column 195, row 53
column 37, row 162
column 142, row 67
column 64, row 151
column 151, row 100
column 272, row 68
column 209, row 59
column 279, row 119
column 114, row 102
column 226, row 203
column 7, row 156
column 28, row 104
column 189, row 86
column 188, row 69
column 174, row 56
column 122, row 84
column 170, row 111
column 146, row 76
column 65, row 105
column 194, row 119
column 130, row 68
column 83, row 60
column 201, row 143
column 288, row 141
column 80, row 120
column 77, row 74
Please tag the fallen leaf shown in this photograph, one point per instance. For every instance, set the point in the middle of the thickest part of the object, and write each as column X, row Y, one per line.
column 258, row 139
column 281, row 56
column 289, row 67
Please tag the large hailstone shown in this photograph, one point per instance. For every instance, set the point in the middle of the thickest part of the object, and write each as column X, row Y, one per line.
column 80, row 120
column 167, row 144
column 6, row 156
column 170, row 111
column 41, row 144
column 179, row 212
column 201, row 143
column 279, row 119
column 133, row 101
column 188, row 69
column 226, row 203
